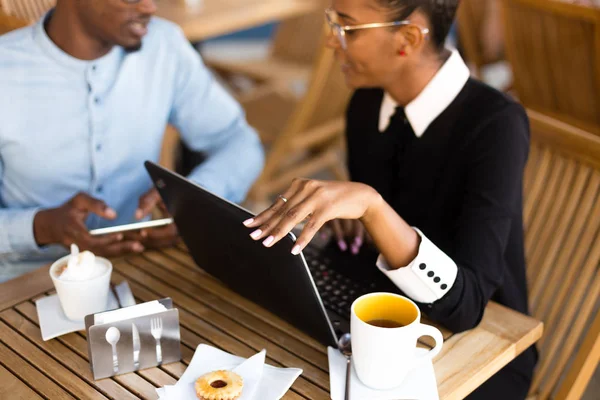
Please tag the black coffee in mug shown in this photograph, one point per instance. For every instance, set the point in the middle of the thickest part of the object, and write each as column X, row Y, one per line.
column 385, row 323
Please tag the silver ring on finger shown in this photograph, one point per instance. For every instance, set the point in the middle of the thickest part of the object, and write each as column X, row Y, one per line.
column 283, row 198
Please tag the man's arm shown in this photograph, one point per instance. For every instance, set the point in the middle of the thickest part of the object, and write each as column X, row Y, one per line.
column 211, row 121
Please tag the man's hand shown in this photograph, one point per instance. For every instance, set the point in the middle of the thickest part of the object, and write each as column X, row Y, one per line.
column 65, row 225
column 154, row 237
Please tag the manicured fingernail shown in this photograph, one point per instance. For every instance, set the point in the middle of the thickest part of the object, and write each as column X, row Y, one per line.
column 268, row 241
column 120, row 236
column 342, row 245
column 143, row 233
column 248, row 221
column 138, row 214
column 110, row 213
column 138, row 247
column 354, row 250
column 358, row 241
column 256, row 234
column 296, row 250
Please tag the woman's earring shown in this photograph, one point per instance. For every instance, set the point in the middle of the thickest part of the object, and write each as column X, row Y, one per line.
column 402, row 53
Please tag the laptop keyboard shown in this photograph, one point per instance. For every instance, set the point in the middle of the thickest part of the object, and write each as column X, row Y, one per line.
column 337, row 291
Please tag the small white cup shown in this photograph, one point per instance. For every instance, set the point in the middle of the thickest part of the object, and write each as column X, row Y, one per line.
column 382, row 357
column 81, row 298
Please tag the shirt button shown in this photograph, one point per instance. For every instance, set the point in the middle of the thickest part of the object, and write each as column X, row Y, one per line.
column 100, row 189
column 444, row 286
column 89, row 88
column 98, row 147
column 437, row 279
column 97, row 100
column 422, row 266
column 93, row 67
column 430, row 274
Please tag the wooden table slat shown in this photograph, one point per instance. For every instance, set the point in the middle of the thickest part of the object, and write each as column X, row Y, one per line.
column 12, row 387
column 36, row 282
column 76, row 386
column 70, row 349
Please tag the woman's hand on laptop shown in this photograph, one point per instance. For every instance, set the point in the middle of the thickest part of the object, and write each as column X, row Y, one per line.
column 315, row 201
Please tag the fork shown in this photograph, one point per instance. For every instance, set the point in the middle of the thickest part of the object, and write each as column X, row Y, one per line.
column 156, row 329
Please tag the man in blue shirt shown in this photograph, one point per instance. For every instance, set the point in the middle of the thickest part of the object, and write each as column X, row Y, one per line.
column 85, row 96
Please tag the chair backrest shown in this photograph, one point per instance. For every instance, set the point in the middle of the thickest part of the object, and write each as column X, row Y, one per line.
column 297, row 39
column 554, row 49
column 28, row 10
column 315, row 129
column 9, row 23
column 470, row 18
column 562, row 243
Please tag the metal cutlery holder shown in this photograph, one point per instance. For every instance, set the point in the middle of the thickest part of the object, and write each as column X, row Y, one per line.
column 122, row 350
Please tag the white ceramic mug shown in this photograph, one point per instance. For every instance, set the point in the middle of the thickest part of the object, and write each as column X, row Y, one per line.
column 383, row 356
column 81, row 298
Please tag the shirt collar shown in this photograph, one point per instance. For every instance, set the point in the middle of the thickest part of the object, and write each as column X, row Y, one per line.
column 50, row 48
column 439, row 93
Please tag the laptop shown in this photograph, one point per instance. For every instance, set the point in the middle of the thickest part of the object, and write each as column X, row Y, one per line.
column 313, row 290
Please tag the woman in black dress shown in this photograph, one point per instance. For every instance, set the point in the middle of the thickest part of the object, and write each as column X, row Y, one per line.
column 436, row 162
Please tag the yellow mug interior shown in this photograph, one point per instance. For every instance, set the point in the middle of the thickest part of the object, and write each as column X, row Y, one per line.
column 386, row 307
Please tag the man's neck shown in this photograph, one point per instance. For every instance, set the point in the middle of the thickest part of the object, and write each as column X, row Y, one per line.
column 68, row 33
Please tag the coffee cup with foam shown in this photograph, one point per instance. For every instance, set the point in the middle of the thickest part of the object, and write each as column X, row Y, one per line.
column 82, row 282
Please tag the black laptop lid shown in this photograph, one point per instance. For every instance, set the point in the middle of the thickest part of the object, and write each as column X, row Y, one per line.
column 212, row 229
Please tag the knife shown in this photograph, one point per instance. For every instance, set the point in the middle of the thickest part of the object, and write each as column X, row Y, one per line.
column 136, row 346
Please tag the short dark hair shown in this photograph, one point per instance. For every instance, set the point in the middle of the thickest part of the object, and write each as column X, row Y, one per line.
column 440, row 13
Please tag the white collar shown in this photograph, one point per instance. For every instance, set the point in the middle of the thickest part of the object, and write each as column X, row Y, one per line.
column 439, row 93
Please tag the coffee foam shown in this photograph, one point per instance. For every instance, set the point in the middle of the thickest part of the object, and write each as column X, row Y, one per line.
column 80, row 267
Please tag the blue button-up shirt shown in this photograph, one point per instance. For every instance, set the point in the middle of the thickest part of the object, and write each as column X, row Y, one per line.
column 68, row 125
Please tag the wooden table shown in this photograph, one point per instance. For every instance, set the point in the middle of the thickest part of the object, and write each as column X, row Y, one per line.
column 213, row 314
column 218, row 17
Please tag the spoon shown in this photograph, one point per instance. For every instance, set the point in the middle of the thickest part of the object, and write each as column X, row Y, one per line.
column 112, row 336
column 345, row 347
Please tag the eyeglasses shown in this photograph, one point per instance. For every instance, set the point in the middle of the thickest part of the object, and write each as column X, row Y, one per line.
column 340, row 30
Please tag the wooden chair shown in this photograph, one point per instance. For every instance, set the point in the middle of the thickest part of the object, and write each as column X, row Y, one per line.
column 9, row 23
column 470, row 17
column 554, row 49
column 292, row 54
column 28, row 10
column 562, row 242
column 312, row 140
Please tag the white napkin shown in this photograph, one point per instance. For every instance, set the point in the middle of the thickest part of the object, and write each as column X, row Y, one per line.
column 54, row 322
column 150, row 307
column 419, row 384
column 261, row 381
